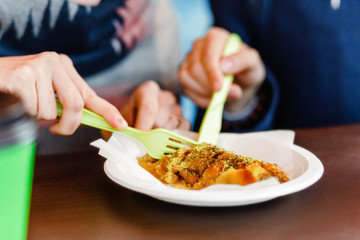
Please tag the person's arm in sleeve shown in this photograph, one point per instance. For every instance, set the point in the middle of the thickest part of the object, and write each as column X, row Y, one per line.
column 259, row 113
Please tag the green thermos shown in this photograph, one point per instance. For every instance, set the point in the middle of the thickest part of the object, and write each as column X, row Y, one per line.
column 18, row 134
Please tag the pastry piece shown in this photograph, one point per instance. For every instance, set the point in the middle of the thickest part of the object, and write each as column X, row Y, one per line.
column 206, row 164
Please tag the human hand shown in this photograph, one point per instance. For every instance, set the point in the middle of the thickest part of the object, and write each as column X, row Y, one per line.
column 36, row 78
column 204, row 67
column 150, row 107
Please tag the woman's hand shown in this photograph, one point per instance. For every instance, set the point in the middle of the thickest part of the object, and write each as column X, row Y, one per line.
column 36, row 78
column 150, row 107
column 204, row 67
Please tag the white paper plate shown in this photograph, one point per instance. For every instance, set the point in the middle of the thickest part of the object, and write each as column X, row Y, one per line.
column 303, row 167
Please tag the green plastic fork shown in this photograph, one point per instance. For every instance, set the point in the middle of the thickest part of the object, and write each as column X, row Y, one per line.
column 211, row 124
column 157, row 142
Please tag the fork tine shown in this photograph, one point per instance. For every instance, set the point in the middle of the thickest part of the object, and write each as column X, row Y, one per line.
column 185, row 140
column 163, row 151
column 176, row 144
column 170, row 150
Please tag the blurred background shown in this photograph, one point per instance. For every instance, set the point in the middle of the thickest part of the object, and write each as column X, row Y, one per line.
column 194, row 19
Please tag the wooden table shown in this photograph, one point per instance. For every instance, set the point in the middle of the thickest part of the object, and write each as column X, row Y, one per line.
column 74, row 199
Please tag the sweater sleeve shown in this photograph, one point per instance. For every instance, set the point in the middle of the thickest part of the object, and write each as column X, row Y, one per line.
column 260, row 118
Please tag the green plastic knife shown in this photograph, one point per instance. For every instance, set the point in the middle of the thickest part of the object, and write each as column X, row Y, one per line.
column 211, row 124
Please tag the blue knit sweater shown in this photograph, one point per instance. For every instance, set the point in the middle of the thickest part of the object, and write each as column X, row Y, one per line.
column 94, row 37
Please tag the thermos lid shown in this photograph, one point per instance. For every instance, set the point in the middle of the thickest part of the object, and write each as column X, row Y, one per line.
column 15, row 125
